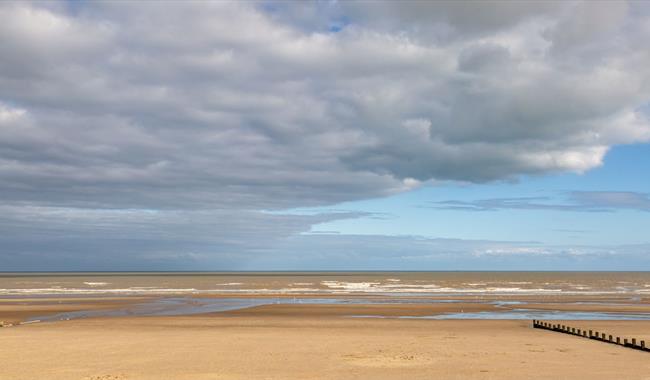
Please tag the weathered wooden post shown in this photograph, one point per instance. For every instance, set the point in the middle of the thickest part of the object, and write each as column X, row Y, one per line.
column 603, row 336
column 579, row 332
column 643, row 344
column 625, row 342
column 634, row 341
column 618, row 340
column 591, row 333
column 610, row 338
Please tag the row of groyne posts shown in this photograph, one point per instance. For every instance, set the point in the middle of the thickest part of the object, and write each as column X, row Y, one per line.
column 595, row 335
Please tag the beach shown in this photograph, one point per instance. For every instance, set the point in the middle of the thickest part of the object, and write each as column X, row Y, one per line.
column 269, row 344
column 325, row 326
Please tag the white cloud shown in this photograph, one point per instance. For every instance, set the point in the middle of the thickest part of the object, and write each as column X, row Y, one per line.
column 247, row 106
column 231, row 103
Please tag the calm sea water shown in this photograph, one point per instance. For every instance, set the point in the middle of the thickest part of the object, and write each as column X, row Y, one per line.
column 634, row 284
column 187, row 293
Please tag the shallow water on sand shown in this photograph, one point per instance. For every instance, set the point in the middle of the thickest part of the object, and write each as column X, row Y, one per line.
column 543, row 314
column 189, row 306
column 182, row 293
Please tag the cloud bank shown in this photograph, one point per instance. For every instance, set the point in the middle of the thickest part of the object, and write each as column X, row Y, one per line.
column 237, row 107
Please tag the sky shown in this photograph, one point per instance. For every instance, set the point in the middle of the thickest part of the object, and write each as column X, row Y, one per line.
column 324, row 135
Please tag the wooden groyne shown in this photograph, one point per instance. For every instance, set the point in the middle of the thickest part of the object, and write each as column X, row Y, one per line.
column 590, row 334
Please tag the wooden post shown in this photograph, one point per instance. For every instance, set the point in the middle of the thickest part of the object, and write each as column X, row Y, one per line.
column 579, row 332
column 610, row 338
column 634, row 341
column 643, row 344
column 625, row 342
column 618, row 340
column 591, row 333
column 603, row 336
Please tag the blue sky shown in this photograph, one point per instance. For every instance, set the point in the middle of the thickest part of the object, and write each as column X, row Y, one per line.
column 314, row 135
column 416, row 212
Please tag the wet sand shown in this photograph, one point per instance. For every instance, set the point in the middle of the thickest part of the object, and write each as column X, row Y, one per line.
column 316, row 342
column 16, row 310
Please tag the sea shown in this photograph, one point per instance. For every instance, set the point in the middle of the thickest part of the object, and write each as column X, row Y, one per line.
column 182, row 293
column 633, row 284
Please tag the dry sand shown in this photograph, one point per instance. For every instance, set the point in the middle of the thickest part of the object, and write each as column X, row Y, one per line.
column 314, row 342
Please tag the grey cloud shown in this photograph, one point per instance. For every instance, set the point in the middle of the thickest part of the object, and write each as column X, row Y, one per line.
column 587, row 25
column 482, row 57
column 59, row 238
column 229, row 108
column 441, row 21
column 223, row 104
column 589, row 201
column 613, row 199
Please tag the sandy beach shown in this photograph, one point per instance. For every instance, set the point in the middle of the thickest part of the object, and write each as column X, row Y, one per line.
column 320, row 326
column 314, row 342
